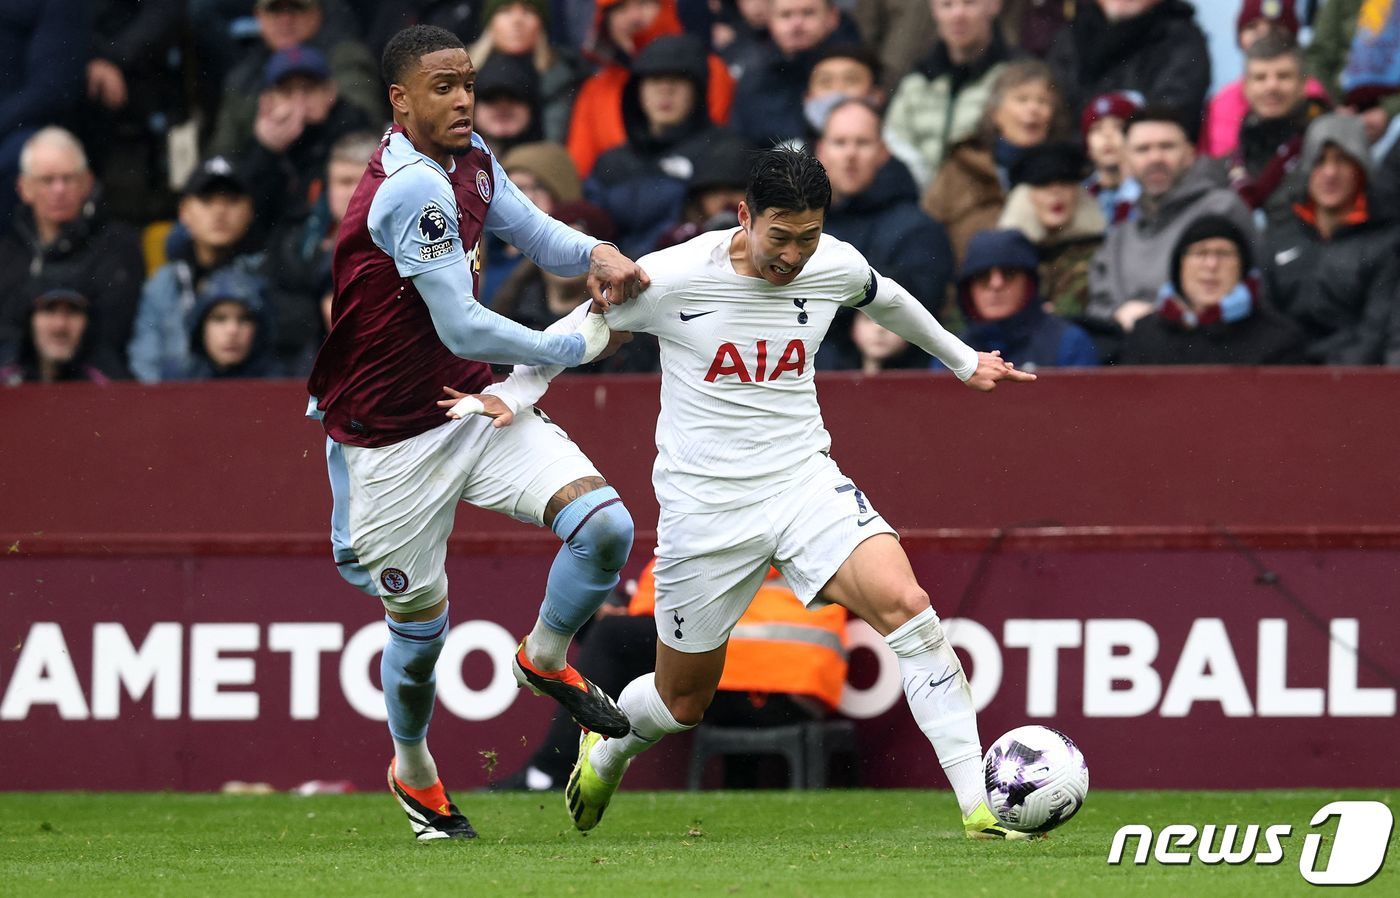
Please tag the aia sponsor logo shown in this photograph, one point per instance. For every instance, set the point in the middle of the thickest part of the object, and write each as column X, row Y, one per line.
column 729, row 362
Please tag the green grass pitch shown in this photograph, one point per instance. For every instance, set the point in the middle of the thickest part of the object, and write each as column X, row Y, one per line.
column 837, row 843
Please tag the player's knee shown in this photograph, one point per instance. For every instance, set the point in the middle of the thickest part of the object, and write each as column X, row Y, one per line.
column 906, row 604
column 605, row 539
column 689, row 710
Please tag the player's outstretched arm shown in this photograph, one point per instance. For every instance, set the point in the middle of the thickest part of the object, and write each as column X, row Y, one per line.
column 472, row 331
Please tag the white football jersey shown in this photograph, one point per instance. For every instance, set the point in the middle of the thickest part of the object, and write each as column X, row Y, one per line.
column 739, row 411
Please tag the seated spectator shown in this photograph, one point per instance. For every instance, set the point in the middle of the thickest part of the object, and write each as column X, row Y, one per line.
column 60, row 235
column 874, row 207
column 135, row 93
column 284, row 25
column 217, row 212
column 544, row 172
column 536, row 298
column 740, row 33
column 520, row 28
column 1355, row 58
column 883, row 350
column 55, row 347
column 1220, row 134
column 1023, row 111
column 1153, row 47
column 944, row 100
column 1332, row 265
column 1271, row 136
column 300, row 116
column 713, row 193
column 754, row 691
column 1177, row 189
column 42, row 52
column 1210, row 312
column 230, row 330
column 768, row 99
column 1051, row 207
column 622, row 28
column 840, row 72
column 507, row 110
column 297, row 268
column 898, row 32
column 1000, row 297
column 642, row 183
column 1102, row 126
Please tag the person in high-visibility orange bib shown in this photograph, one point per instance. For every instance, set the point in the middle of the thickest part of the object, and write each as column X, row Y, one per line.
column 785, row 665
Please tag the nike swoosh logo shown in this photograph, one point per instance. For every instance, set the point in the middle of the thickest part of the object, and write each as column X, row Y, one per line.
column 1288, row 255
column 867, row 520
column 932, row 686
column 685, row 317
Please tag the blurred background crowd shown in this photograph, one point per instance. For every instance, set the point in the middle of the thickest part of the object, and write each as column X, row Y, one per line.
column 1055, row 179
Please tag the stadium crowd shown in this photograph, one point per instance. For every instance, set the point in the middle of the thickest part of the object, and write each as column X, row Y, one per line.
column 1049, row 177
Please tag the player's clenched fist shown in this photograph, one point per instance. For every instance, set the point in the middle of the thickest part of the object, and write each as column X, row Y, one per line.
column 612, row 277
column 992, row 368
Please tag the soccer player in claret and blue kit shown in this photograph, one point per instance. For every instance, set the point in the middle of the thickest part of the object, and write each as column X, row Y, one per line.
column 404, row 324
column 745, row 479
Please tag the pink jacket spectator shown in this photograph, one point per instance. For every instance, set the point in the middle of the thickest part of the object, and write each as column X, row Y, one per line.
column 1225, row 113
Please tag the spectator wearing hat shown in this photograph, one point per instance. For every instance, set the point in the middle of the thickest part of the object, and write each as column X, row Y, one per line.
column 1271, row 135
column 875, row 208
column 717, row 185
column 621, row 30
column 230, row 332
column 642, row 183
column 1177, row 188
column 60, row 234
column 1153, row 47
column 507, row 103
column 284, row 25
column 216, row 211
column 544, row 172
column 1023, row 111
column 56, row 346
column 1333, row 265
column 135, row 94
column 944, row 99
column 297, row 266
column 520, row 28
column 300, row 116
column 1355, row 57
column 768, row 99
column 998, row 289
column 1102, row 125
column 1220, row 135
column 1051, row 206
column 1210, row 312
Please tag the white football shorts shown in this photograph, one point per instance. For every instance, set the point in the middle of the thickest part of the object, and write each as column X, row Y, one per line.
column 709, row 566
column 403, row 498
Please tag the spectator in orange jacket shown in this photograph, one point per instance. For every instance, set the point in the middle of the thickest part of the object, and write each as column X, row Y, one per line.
column 769, row 680
column 621, row 28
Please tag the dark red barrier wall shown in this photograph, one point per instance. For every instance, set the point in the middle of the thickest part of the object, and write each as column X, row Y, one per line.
column 127, row 508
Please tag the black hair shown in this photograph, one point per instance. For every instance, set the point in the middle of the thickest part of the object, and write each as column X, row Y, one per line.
column 787, row 179
column 1168, row 115
column 857, row 52
column 410, row 45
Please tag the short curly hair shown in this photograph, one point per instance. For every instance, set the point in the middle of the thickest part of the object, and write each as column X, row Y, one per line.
column 410, row 45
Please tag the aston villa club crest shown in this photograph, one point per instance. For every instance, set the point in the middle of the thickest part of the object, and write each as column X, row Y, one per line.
column 394, row 580
column 483, row 185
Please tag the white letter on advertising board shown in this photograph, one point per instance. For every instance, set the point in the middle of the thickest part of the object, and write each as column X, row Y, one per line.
column 305, row 642
column 1102, row 668
column 117, row 665
column 44, row 675
column 1344, row 697
column 1207, row 672
column 1042, row 640
column 360, row 652
column 210, row 672
column 459, row 698
column 1275, row 698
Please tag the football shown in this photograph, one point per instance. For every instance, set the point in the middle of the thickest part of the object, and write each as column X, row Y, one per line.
column 1036, row 779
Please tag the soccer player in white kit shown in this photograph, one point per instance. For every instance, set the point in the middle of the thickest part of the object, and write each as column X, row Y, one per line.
column 744, row 476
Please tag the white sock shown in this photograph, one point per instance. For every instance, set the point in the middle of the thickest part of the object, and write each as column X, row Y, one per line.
column 547, row 648
column 651, row 720
column 414, row 765
column 941, row 702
